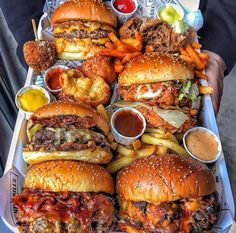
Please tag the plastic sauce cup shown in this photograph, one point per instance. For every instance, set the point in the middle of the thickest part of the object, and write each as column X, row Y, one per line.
column 122, row 117
column 206, row 141
column 24, row 90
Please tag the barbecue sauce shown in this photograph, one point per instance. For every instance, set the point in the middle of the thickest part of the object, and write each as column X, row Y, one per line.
column 128, row 123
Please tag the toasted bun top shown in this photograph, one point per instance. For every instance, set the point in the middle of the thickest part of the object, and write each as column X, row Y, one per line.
column 69, row 108
column 93, row 10
column 158, row 179
column 59, row 176
column 154, row 67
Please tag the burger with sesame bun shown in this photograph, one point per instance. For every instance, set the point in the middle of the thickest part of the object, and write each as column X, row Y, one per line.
column 67, row 130
column 169, row 193
column 163, row 89
column 81, row 27
column 65, row 197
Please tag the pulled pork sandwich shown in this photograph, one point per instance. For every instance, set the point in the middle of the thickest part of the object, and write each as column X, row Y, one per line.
column 81, row 27
column 63, row 130
column 65, row 197
column 157, row 34
column 163, row 89
column 169, row 193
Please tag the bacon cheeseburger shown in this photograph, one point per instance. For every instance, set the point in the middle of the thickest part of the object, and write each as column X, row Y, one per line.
column 163, row 89
column 63, row 130
column 168, row 194
column 65, row 196
column 81, row 27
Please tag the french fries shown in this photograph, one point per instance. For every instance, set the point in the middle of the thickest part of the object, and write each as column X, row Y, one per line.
column 110, row 138
column 163, row 142
column 161, row 150
column 137, row 144
column 154, row 130
column 205, row 90
column 114, row 145
column 102, row 111
column 118, row 164
column 200, row 75
column 122, row 50
column 126, row 156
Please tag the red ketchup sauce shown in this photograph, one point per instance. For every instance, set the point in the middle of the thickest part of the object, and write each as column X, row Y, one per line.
column 53, row 79
column 128, row 123
column 124, row 6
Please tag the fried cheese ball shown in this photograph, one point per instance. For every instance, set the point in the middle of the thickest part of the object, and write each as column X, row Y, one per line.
column 39, row 55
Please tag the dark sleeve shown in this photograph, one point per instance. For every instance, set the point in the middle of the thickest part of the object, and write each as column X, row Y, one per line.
column 219, row 31
column 18, row 15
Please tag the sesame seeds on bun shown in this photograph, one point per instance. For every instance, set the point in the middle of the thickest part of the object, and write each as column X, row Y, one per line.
column 159, row 179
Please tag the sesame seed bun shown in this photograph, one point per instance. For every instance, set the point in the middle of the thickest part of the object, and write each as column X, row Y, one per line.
column 92, row 10
column 167, row 178
column 154, row 67
column 60, row 176
column 69, row 108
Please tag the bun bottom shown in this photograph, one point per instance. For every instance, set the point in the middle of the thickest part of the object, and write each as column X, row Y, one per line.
column 97, row 156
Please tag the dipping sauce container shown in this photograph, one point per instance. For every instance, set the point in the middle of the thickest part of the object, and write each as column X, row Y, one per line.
column 124, row 9
column 202, row 144
column 30, row 98
column 127, row 124
column 52, row 78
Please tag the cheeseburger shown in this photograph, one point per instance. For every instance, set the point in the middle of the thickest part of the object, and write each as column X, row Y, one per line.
column 81, row 27
column 63, row 130
column 169, row 193
column 65, row 196
column 163, row 89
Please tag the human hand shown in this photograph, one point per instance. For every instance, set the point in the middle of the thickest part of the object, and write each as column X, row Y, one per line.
column 215, row 73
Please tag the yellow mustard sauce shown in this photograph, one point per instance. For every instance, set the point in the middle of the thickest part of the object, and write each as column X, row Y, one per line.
column 169, row 14
column 202, row 144
column 32, row 99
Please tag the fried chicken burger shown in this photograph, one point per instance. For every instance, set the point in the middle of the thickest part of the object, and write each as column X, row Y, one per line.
column 65, row 197
column 64, row 130
column 163, row 89
column 169, row 193
column 81, row 27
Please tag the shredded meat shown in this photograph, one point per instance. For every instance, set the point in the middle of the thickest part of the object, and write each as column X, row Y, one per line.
column 155, row 121
column 158, row 34
column 168, row 94
column 64, row 212
column 65, row 121
column 170, row 217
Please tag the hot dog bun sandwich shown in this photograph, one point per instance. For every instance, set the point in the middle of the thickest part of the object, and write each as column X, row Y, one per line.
column 81, row 27
column 64, row 130
column 169, row 193
column 163, row 89
column 65, row 196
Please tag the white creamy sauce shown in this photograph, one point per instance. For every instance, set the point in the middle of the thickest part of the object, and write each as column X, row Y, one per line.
column 149, row 94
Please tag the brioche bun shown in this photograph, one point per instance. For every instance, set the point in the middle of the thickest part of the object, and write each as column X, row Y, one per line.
column 69, row 108
column 96, row 156
column 154, row 67
column 60, row 176
column 167, row 178
column 92, row 10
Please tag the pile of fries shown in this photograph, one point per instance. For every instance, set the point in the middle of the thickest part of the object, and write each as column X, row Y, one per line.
column 122, row 50
column 153, row 142
column 198, row 61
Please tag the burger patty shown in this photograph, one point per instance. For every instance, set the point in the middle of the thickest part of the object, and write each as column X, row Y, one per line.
column 187, row 215
column 83, row 34
column 62, row 139
column 156, row 121
column 68, row 121
column 64, row 212
column 165, row 93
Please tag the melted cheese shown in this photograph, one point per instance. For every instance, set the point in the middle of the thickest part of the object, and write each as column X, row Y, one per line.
column 149, row 94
